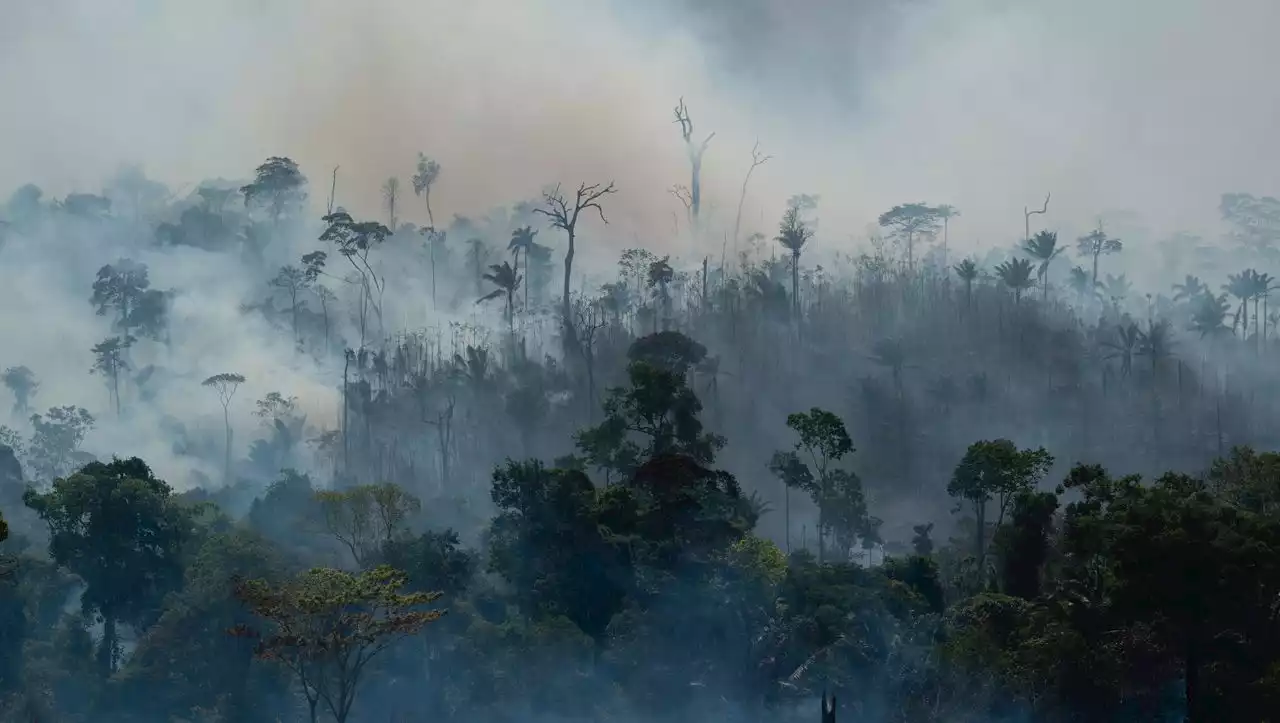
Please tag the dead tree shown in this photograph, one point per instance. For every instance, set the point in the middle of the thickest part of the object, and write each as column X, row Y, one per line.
column 1028, row 213
column 695, row 152
column 564, row 216
column 757, row 159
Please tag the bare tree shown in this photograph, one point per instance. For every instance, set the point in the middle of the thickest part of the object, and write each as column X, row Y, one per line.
column 333, row 189
column 390, row 193
column 225, row 386
column 1028, row 213
column 695, row 151
column 564, row 216
column 757, row 159
column 426, row 177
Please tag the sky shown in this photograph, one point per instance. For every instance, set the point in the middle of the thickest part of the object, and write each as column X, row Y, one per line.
column 1151, row 106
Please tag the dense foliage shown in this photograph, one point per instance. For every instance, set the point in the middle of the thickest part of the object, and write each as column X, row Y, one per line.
column 671, row 494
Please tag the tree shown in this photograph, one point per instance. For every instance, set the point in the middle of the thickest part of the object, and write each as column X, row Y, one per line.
column 55, row 440
column 1023, row 545
column 1190, row 288
column 355, row 240
column 293, row 281
column 656, row 415
column 1209, row 315
column 1081, row 284
column 423, row 181
column 995, row 470
column 225, row 386
column 1096, row 244
column 278, row 185
column 109, row 361
column 22, row 383
column 120, row 286
column 946, row 212
column 391, row 194
column 564, row 216
column 968, row 271
column 522, row 241
column 757, row 159
column 842, row 507
column 660, row 277
column 793, row 234
column 1043, row 247
column 366, row 518
column 120, row 530
column 695, row 151
column 327, row 625
column 1015, row 274
column 508, row 281
column 910, row 221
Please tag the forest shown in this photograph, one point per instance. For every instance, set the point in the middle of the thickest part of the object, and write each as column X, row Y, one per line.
column 1003, row 488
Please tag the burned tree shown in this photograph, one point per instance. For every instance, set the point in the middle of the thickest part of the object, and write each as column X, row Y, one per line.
column 695, row 151
column 757, row 159
column 564, row 216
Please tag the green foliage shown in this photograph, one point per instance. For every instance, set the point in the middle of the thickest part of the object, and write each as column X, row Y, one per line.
column 656, row 415
column 365, row 518
column 328, row 624
column 117, row 527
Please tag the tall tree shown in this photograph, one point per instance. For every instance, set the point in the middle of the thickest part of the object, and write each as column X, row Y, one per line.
column 793, row 234
column 522, row 241
column 327, row 625
column 995, row 470
column 278, row 185
column 1016, row 274
column 293, row 281
column 225, row 386
column 121, row 531
column 423, row 181
column 355, row 240
column 1096, row 244
column 909, row 222
column 1043, row 247
column 968, row 271
column 507, row 280
column 946, row 212
column 109, row 361
column 757, row 159
column 564, row 216
column 695, row 151
column 391, row 195
column 119, row 287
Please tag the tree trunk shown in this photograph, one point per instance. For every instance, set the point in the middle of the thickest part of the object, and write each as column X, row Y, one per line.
column 226, row 422
column 570, row 334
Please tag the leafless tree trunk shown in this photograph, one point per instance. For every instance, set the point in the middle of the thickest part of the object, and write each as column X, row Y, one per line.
column 564, row 216
column 696, row 152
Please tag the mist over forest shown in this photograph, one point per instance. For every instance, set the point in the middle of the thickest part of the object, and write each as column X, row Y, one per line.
column 666, row 361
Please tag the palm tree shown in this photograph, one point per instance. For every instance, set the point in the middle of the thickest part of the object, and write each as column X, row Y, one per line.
column 1241, row 286
column 1190, row 289
column 507, row 280
column 1209, row 314
column 793, row 234
column 1043, row 247
column 522, row 241
column 1080, row 283
column 1124, row 346
column 968, row 271
column 1262, row 288
column 1016, row 274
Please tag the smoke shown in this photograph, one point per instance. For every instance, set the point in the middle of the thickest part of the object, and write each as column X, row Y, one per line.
column 1152, row 106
